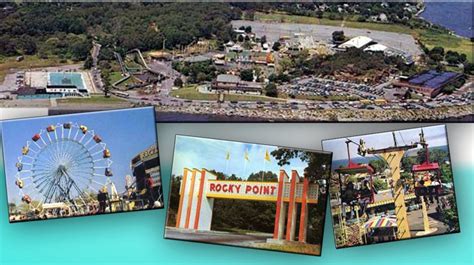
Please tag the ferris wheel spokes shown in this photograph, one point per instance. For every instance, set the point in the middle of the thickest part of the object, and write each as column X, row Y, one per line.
column 60, row 166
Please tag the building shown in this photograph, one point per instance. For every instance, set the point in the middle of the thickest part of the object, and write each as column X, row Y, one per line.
column 429, row 83
column 28, row 92
column 67, row 90
column 358, row 42
column 233, row 84
column 146, row 163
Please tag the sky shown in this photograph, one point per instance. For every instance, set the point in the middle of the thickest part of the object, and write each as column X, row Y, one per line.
column 434, row 135
column 126, row 133
column 195, row 152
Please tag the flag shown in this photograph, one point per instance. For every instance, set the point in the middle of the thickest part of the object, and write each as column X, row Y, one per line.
column 267, row 156
column 227, row 156
column 246, row 155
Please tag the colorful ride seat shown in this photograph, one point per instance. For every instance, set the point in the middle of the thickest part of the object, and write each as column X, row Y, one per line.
column 25, row 150
column 83, row 129
column 97, row 139
column 108, row 172
column 106, row 153
column 20, row 183
column 26, row 199
column 19, row 166
column 36, row 137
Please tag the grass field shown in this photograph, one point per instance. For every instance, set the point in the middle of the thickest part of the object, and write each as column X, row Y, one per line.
column 115, row 76
column 7, row 63
column 190, row 92
column 430, row 38
column 95, row 99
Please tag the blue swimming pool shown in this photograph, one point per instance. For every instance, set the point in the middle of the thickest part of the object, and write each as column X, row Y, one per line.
column 59, row 78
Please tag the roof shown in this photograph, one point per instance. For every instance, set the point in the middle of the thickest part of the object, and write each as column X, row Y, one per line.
column 197, row 59
column 228, row 78
column 425, row 167
column 433, row 79
column 26, row 90
column 357, row 42
column 353, row 168
column 376, row 48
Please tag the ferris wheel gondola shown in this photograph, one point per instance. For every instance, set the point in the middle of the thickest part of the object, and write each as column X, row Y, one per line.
column 63, row 162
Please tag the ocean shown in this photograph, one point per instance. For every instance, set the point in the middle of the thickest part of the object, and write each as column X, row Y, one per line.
column 455, row 16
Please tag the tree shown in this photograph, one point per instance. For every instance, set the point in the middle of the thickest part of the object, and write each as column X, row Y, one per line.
column 27, row 45
column 88, row 62
column 105, row 73
column 201, row 77
column 437, row 54
column 240, row 38
column 7, row 47
column 271, row 90
column 178, row 82
column 276, row 46
column 378, row 164
column 469, row 68
column 379, row 184
column 319, row 14
column 263, row 40
column 451, row 216
column 338, row 36
column 317, row 164
column 248, row 29
column 246, row 75
column 80, row 50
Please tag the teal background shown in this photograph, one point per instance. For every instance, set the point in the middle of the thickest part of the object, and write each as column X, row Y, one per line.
column 137, row 238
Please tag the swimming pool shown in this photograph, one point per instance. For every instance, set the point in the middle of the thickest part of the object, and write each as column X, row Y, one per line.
column 63, row 78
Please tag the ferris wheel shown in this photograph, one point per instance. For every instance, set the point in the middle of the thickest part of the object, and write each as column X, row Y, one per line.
column 63, row 163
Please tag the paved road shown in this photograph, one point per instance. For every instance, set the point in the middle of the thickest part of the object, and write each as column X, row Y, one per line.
column 216, row 237
column 273, row 31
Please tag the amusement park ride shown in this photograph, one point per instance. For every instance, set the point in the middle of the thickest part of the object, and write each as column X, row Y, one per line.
column 61, row 165
column 392, row 157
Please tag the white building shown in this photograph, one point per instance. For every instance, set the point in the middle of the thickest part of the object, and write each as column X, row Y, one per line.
column 357, row 42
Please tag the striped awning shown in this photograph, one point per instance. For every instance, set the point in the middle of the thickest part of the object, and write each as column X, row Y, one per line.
column 381, row 222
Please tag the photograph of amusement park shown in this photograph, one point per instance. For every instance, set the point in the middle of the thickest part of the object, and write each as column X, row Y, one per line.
column 342, row 61
column 391, row 186
column 81, row 164
column 248, row 195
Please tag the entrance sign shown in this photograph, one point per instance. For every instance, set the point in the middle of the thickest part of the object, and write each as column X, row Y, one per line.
column 200, row 187
column 248, row 195
column 259, row 191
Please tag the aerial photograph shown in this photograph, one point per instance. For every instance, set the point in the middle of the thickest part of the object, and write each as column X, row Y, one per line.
column 392, row 186
column 248, row 195
column 253, row 61
column 78, row 165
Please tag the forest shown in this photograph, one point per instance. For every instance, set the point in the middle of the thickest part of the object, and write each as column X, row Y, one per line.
column 67, row 29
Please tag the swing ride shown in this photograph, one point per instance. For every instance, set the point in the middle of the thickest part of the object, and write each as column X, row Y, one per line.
column 352, row 198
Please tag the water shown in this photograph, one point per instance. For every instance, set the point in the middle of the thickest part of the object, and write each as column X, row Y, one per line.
column 66, row 79
column 455, row 16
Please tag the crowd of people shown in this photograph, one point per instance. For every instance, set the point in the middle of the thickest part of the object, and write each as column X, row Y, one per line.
column 103, row 203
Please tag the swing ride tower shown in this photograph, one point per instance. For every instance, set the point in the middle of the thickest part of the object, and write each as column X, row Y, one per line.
column 392, row 157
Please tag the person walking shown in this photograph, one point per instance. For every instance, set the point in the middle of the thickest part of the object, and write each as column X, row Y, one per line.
column 103, row 197
column 149, row 194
